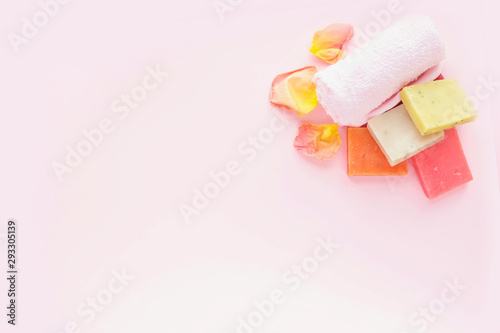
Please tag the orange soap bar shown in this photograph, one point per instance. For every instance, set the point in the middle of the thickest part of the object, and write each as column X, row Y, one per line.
column 442, row 167
column 364, row 157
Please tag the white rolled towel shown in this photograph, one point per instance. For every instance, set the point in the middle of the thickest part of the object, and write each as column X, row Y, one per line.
column 353, row 90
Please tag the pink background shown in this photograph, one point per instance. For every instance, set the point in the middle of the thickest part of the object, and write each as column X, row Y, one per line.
column 120, row 208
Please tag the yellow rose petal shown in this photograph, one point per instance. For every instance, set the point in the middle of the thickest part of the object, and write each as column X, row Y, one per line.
column 295, row 90
column 321, row 142
column 328, row 43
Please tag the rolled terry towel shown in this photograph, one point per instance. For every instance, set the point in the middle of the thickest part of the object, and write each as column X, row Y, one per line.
column 353, row 90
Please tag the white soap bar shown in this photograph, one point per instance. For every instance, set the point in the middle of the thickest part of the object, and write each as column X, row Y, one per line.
column 398, row 137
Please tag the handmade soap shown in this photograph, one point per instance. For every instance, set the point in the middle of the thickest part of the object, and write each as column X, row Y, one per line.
column 398, row 137
column 443, row 166
column 364, row 157
column 438, row 105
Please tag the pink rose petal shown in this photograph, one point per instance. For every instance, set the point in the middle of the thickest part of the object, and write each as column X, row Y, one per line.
column 295, row 90
column 321, row 142
column 328, row 44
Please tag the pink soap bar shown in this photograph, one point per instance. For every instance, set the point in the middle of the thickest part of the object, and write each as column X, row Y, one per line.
column 443, row 166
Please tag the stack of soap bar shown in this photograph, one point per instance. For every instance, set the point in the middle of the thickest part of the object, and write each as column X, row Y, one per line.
column 443, row 166
column 364, row 157
column 398, row 137
column 438, row 105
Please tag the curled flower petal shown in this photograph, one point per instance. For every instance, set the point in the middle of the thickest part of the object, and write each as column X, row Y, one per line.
column 321, row 142
column 328, row 43
column 295, row 90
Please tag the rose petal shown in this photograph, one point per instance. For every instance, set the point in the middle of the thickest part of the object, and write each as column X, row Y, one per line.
column 321, row 142
column 328, row 43
column 295, row 90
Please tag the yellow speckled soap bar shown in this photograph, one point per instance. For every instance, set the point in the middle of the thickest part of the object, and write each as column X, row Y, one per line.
column 438, row 105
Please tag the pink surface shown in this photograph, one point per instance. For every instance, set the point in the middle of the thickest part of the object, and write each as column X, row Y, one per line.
column 119, row 209
column 443, row 167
